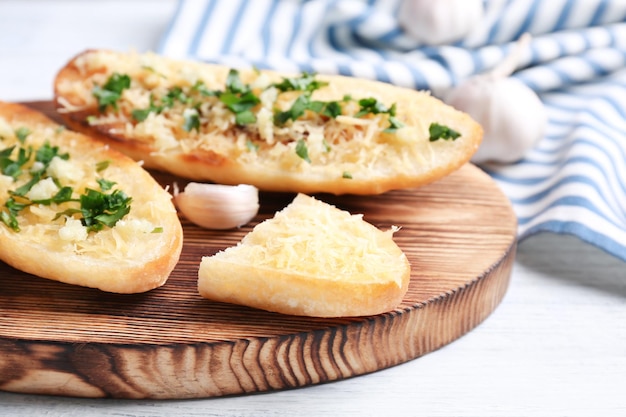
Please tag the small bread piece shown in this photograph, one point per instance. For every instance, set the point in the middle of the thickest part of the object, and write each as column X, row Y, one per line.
column 310, row 259
column 64, row 201
column 278, row 132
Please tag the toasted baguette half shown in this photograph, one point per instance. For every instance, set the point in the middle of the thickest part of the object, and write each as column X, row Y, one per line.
column 53, row 227
column 192, row 119
column 310, row 259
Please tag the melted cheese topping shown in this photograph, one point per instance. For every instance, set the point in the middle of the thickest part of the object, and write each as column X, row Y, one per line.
column 345, row 143
column 41, row 224
column 311, row 238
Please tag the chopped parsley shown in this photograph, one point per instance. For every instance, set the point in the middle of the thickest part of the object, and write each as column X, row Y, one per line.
column 96, row 209
column 302, row 151
column 251, row 146
column 102, row 165
column 239, row 98
column 46, row 153
column 306, row 82
column 22, row 133
column 99, row 209
column 438, row 131
column 192, row 120
column 173, row 95
column 13, row 167
column 373, row 106
column 105, row 185
column 111, row 91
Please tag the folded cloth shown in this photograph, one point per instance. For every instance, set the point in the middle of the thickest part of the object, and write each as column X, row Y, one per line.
column 573, row 181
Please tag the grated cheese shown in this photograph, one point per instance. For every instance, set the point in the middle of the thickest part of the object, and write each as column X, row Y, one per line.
column 310, row 237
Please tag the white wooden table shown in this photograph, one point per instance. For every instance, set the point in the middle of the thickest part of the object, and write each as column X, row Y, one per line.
column 556, row 346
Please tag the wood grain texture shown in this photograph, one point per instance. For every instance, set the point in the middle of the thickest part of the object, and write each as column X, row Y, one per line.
column 458, row 234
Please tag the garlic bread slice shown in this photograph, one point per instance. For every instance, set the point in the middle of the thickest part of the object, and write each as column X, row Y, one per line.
column 74, row 210
column 279, row 132
column 310, row 259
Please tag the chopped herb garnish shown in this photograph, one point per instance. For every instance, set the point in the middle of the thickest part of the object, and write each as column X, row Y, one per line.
column 299, row 106
column 346, row 175
column 251, row 146
column 239, row 98
column 438, row 131
column 373, row 106
column 62, row 196
column 21, row 191
column 174, row 94
column 102, row 165
column 234, row 83
column 10, row 220
column 22, row 133
column 394, row 125
column 241, row 104
column 142, row 114
column 46, row 153
column 105, row 185
column 99, row 209
column 10, row 167
column 192, row 120
column 306, row 82
column 201, row 88
column 96, row 209
column 111, row 91
column 302, row 151
column 157, row 229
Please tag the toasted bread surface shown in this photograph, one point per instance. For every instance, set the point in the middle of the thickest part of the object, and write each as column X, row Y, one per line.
column 76, row 211
column 294, row 133
column 310, row 259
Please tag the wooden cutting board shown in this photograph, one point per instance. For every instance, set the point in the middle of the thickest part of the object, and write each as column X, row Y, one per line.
column 459, row 235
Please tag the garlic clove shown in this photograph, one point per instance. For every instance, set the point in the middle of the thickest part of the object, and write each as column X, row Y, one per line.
column 511, row 114
column 217, row 206
column 436, row 22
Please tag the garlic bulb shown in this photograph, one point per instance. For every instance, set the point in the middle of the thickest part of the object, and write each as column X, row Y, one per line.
column 216, row 206
column 511, row 114
column 436, row 22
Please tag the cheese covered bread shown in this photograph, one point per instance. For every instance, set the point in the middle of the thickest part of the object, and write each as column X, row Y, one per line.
column 310, row 259
column 298, row 133
column 75, row 211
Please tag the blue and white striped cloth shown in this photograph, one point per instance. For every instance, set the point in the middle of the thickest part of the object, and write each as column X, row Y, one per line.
column 573, row 181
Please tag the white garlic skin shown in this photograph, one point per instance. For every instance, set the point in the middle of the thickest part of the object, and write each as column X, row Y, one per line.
column 436, row 22
column 217, row 206
column 511, row 114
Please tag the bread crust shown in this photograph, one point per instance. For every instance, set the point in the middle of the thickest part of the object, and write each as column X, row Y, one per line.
column 413, row 107
column 48, row 258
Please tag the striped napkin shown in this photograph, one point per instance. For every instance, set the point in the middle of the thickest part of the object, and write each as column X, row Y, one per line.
column 573, row 181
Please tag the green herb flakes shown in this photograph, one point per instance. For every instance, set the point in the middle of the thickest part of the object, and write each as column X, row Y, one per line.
column 22, row 133
column 438, row 131
column 111, row 91
column 302, row 150
column 192, row 120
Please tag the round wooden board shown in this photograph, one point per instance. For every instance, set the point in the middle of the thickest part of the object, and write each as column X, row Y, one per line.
column 459, row 235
